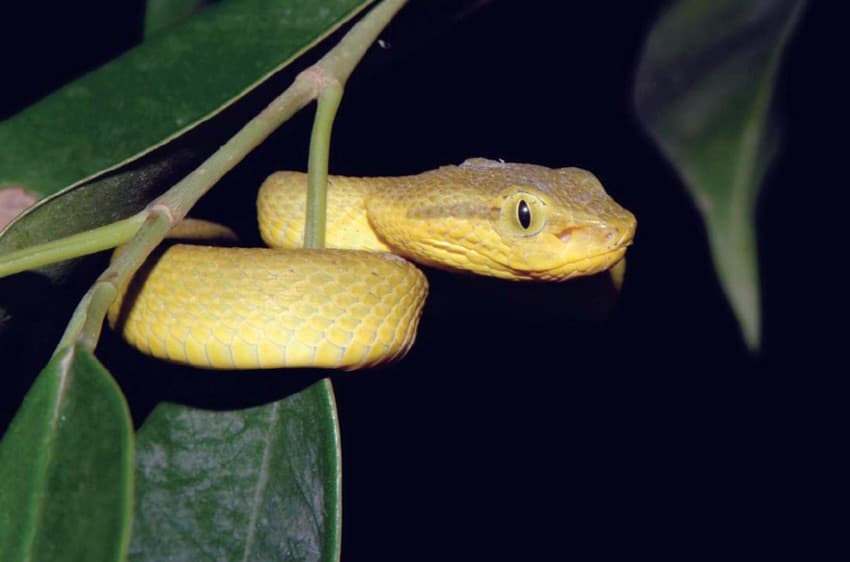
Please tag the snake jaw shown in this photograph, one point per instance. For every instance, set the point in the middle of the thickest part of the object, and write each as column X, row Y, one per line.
column 559, row 253
column 568, row 249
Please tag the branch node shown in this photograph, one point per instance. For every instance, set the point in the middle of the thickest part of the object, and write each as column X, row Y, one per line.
column 319, row 78
column 161, row 209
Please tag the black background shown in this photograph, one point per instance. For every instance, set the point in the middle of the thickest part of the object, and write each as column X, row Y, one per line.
column 532, row 421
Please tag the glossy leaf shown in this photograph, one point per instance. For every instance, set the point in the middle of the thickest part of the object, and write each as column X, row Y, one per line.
column 158, row 89
column 66, row 466
column 255, row 484
column 703, row 92
column 161, row 14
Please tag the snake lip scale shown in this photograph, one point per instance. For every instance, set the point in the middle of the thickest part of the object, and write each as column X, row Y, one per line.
column 357, row 303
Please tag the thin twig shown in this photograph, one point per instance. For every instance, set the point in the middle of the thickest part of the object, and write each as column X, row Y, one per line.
column 317, row 179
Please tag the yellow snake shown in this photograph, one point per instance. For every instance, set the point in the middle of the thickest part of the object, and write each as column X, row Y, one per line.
column 357, row 303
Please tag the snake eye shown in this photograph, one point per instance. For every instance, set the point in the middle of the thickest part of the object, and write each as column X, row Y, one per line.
column 523, row 214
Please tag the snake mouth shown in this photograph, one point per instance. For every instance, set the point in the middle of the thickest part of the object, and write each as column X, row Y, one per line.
column 598, row 245
column 609, row 236
column 587, row 250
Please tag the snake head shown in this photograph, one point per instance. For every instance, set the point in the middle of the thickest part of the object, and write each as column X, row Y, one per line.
column 561, row 225
column 514, row 221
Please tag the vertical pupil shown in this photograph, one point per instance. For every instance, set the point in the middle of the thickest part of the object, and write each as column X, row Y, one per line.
column 523, row 214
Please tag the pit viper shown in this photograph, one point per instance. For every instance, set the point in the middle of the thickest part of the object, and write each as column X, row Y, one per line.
column 357, row 303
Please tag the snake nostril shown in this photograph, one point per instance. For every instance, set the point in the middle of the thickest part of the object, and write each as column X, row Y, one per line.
column 565, row 235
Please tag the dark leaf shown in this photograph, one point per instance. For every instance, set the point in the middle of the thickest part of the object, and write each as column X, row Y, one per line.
column 254, row 484
column 66, row 464
column 703, row 92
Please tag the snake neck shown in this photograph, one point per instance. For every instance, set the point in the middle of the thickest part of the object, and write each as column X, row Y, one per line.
column 407, row 216
column 281, row 211
column 437, row 218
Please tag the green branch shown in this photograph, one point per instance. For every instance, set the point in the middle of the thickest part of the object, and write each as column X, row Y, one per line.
column 75, row 246
column 317, row 179
column 330, row 72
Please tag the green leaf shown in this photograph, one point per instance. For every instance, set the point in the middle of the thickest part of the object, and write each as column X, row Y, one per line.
column 255, row 484
column 159, row 89
column 703, row 91
column 66, row 466
column 161, row 14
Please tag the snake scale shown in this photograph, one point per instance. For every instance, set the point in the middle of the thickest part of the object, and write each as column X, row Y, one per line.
column 357, row 303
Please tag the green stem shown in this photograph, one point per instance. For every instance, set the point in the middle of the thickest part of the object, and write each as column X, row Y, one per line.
column 180, row 198
column 168, row 209
column 333, row 68
column 102, row 296
column 340, row 61
column 331, row 72
column 86, row 322
column 81, row 244
column 317, row 182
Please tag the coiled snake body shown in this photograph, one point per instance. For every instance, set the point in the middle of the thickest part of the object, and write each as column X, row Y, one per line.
column 357, row 303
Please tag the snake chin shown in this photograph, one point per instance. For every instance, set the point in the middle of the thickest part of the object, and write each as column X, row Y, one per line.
column 586, row 265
